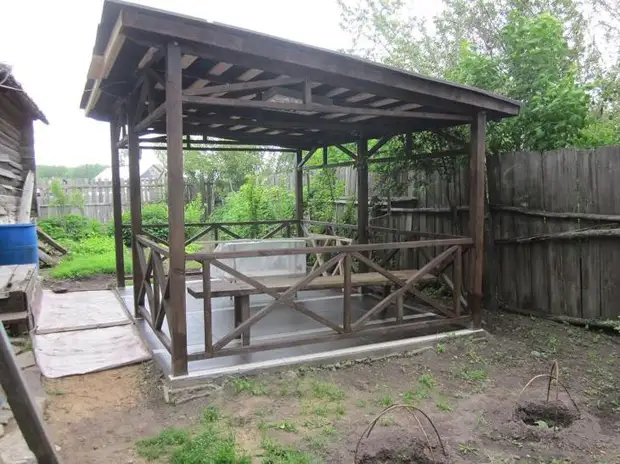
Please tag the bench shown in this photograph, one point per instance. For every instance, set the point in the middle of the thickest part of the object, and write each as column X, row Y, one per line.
column 240, row 291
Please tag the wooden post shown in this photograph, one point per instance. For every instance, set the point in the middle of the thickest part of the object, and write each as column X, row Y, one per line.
column 135, row 196
column 25, row 410
column 299, row 193
column 362, row 196
column 117, row 206
column 476, row 216
column 176, row 215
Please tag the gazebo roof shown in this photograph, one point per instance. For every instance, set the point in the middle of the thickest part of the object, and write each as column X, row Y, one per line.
column 258, row 89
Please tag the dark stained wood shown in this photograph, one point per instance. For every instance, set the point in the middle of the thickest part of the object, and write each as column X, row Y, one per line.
column 119, row 246
column 269, row 285
column 458, row 280
column 346, row 151
column 320, row 108
column 252, row 85
column 299, row 193
column 25, row 410
column 362, row 195
column 307, row 157
column 253, row 50
column 150, row 118
column 476, row 216
column 346, row 294
column 135, row 196
column 360, row 248
column 174, row 132
column 207, row 307
column 377, row 146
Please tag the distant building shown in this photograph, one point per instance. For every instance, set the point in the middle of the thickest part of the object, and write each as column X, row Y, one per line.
column 17, row 115
column 147, row 172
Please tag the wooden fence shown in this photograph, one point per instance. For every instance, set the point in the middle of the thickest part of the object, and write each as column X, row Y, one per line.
column 96, row 196
column 553, row 232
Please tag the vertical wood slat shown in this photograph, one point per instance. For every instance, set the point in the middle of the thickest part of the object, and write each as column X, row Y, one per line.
column 176, row 203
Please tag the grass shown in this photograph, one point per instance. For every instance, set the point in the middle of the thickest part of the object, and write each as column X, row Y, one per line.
column 327, row 390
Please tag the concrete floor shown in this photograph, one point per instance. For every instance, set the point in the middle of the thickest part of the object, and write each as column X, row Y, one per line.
column 283, row 321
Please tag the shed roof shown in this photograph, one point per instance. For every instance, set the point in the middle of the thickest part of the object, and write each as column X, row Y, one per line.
column 8, row 83
column 250, row 87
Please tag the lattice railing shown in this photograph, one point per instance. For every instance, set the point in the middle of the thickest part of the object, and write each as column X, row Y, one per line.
column 403, row 282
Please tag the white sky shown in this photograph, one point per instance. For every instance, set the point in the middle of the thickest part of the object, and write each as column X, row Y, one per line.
column 49, row 44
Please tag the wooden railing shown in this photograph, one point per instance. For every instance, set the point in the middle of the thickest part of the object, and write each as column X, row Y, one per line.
column 154, row 287
column 453, row 249
column 215, row 231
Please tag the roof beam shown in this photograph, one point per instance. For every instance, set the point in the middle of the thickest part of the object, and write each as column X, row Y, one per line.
column 260, row 51
column 320, row 108
column 252, row 85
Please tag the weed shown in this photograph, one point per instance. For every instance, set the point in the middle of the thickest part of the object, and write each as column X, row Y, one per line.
column 339, row 409
column 466, row 448
column 209, row 446
column 327, row 390
column 210, row 414
column 441, row 347
column 427, row 381
column 250, row 386
column 473, row 375
column 275, row 453
column 54, row 391
column 317, row 443
column 285, row 425
column 387, row 421
column 155, row 447
column 320, row 410
column 386, row 401
column 444, row 405
column 360, row 404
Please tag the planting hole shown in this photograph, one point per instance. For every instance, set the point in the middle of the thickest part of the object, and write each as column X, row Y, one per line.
column 396, row 445
column 552, row 415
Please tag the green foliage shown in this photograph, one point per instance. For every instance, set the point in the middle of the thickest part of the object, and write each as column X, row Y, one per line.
column 275, row 453
column 325, row 188
column 60, row 198
column 255, row 202
column 71, row 227
column 541, row 52
column 83, row 171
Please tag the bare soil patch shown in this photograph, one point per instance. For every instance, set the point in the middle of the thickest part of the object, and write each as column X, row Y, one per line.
column 468, row 388
column 95, row 282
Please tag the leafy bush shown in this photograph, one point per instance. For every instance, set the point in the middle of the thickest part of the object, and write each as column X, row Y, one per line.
column 71, row 227
column 157, row 213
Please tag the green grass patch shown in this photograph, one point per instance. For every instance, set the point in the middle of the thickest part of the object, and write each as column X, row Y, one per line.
column 327, row 390
column 275, row 453
column 250, row 386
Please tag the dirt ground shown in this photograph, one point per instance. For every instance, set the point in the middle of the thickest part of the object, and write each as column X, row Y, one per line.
column 468, row 388
column 95, row 282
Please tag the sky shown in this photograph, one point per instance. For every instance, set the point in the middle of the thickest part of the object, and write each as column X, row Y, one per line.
column 49, row 44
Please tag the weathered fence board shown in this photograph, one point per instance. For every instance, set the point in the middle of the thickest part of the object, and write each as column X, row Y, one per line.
column 576, row 276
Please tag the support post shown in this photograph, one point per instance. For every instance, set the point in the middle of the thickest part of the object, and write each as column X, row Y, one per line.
column 24, row 409
column 135, row 197
column 362, row 195
column 476, row 216
column 119, row 246
column 299, row 193
column 176, row 216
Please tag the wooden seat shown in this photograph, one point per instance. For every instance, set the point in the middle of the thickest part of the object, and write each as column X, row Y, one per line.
column 280, row 283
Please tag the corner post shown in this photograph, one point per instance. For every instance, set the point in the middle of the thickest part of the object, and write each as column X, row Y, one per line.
column 299, row 193
column 119, row 247
column 135, row 197
column 476, row 216
column 176, row 214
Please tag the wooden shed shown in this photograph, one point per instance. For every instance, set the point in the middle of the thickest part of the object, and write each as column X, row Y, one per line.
column 17, row 115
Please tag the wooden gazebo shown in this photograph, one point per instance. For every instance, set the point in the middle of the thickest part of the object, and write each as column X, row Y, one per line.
column 174, row 82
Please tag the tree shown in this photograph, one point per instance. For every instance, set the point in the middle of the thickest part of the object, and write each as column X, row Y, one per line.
column 542, row 52
column 83, row 171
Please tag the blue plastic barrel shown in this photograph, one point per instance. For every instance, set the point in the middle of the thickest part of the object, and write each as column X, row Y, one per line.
column 18, row 244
